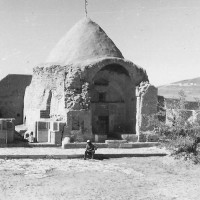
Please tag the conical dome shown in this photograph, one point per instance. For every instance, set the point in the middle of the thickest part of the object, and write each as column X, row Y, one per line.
column 85, row 41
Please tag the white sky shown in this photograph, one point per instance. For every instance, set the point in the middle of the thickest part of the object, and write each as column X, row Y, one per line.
column 162, row 36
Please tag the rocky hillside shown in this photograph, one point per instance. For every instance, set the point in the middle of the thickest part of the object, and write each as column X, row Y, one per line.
column 191, row 87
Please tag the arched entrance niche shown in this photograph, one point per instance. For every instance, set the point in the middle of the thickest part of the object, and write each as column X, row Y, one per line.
column 113, row 102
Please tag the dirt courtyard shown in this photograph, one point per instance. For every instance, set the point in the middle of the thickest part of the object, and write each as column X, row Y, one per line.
column 137, row 178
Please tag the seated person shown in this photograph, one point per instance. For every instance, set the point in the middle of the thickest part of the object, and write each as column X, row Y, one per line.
column 31, row 138
column 90, row 149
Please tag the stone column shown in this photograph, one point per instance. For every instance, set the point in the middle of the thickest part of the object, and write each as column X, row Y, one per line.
column 138, row 115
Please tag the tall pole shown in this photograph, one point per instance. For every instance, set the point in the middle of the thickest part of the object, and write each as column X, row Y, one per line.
column 86, row 3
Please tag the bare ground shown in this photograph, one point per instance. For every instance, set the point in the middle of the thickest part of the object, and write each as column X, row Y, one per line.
column 140, row 178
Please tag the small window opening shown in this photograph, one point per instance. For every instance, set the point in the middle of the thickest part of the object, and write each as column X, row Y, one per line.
column 102, row 97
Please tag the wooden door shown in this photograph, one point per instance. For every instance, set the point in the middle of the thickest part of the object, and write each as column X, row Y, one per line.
column 103, row 125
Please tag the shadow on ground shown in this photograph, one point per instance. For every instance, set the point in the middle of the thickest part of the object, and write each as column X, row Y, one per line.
column 80, row 156
column 108, row 156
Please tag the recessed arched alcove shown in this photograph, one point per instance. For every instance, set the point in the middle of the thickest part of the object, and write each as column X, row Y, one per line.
column 113, row 102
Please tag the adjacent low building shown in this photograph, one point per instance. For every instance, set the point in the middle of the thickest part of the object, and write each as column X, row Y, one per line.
column 12, row 91
column 7, row 130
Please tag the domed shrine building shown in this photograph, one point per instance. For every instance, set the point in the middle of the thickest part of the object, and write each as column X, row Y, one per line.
column 88, row 85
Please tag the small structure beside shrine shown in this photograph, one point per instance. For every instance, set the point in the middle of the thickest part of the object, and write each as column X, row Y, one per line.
column 7, row 130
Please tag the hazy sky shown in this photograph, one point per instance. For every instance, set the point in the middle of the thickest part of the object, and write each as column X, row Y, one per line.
column 162, row 36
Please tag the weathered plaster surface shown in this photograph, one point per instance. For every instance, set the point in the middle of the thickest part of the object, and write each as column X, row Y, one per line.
column 57, row 90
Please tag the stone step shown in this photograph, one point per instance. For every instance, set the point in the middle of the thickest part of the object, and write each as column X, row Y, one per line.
column 115, row 141
column 112, row 145
column 138, row 144
column 83, row 145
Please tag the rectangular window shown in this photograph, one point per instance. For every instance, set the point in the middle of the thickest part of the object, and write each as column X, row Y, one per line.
column 42, row 126
column 102, row 97
column 75, row 123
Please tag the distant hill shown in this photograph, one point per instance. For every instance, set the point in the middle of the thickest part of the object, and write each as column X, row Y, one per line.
column 191, row 87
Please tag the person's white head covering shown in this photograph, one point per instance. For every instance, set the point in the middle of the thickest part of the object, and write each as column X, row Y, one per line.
column 88, row 141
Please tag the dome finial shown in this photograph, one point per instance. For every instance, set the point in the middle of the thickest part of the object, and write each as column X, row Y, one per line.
column 86, row 3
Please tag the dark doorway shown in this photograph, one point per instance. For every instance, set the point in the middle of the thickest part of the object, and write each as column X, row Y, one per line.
column 113, row 102
column 103, row 125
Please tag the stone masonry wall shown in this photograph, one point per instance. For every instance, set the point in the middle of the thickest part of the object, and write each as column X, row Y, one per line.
column 78, row 126
column 171, row 109
column 146, row 106
column 58, row 91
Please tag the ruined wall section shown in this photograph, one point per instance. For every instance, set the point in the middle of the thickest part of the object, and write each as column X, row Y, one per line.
column 146, row 106
column 79, row 83
column 76, row 90
column 59, row 93
column 190, row 112
column 12, row 90
column 64, row 93
column 77, row 105
column 44, row 98
column 79, row 79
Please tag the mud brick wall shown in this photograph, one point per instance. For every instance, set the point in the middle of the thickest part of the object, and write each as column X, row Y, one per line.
column 12, row 90
column 44, row 98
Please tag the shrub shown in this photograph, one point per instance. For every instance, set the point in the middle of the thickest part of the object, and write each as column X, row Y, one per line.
column 180, row 135
column 183, row 144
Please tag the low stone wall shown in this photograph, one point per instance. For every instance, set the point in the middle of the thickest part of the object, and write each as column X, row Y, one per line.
column 191, row 116
column 148, row 137
column 7, row 130
column 100, row 138
column 114, row 143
